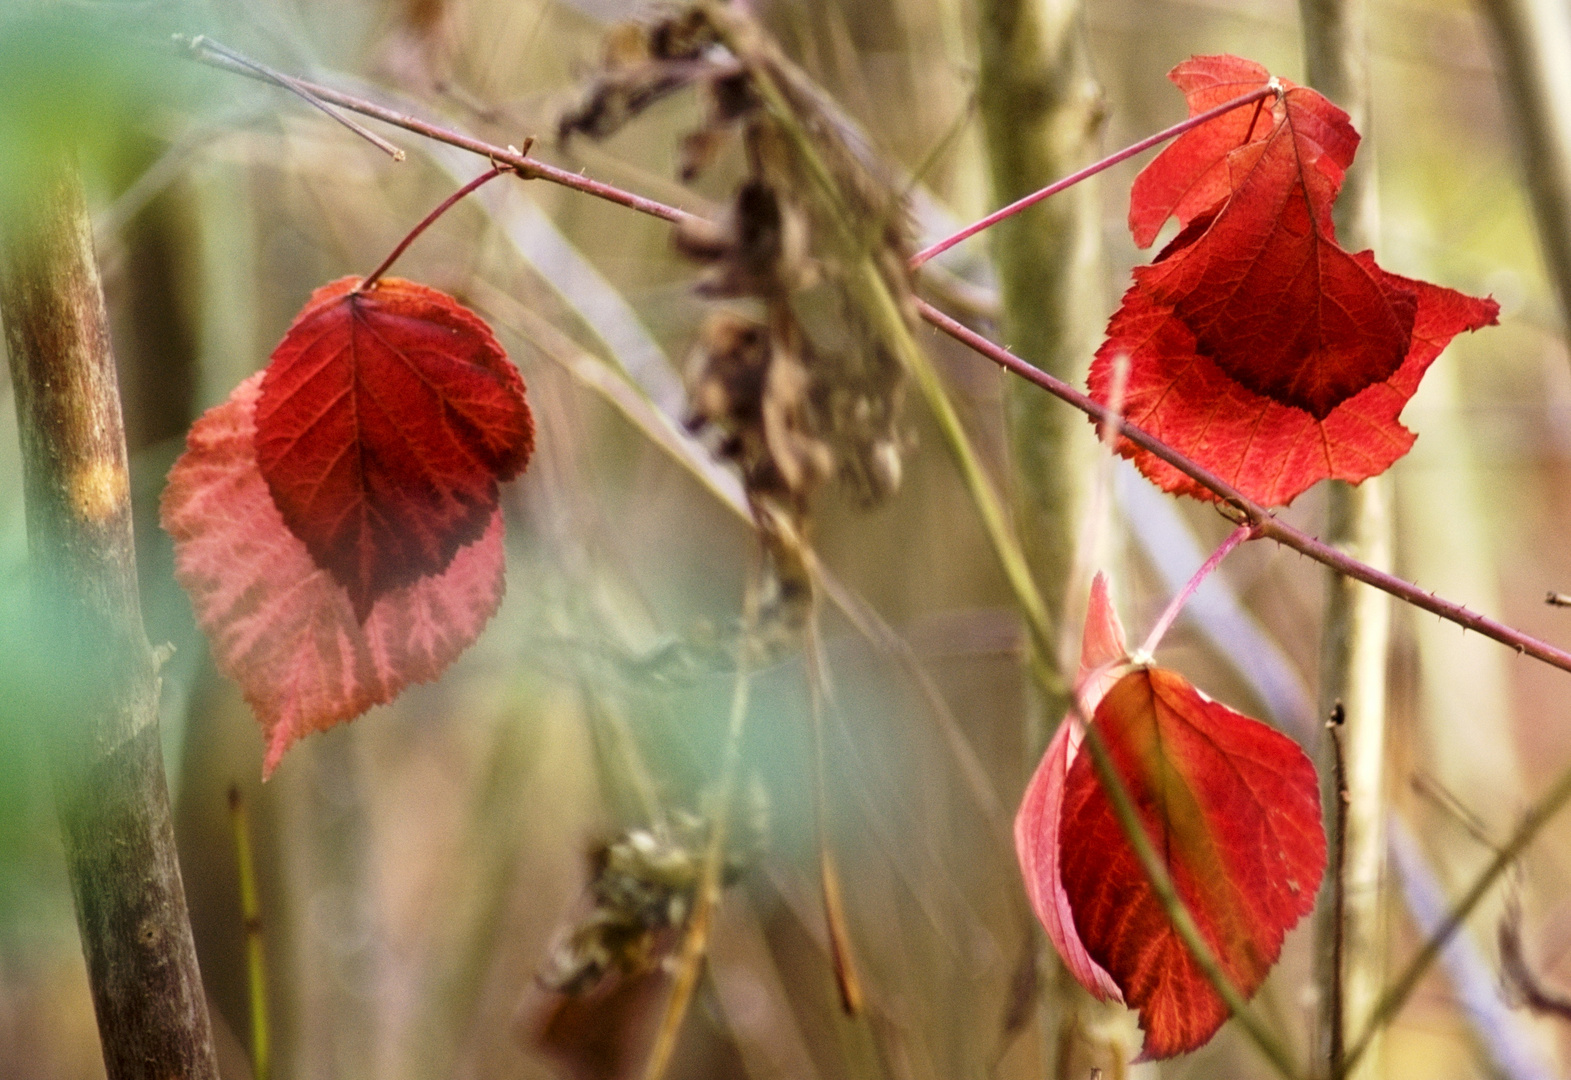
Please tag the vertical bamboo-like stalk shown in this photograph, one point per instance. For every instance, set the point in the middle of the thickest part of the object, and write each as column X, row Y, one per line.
column 1041, row 111
column 1533, row 41
column 1357, row 619
column 99, row 684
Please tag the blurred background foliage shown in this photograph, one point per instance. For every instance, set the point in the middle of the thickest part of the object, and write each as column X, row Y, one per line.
column 417, row 867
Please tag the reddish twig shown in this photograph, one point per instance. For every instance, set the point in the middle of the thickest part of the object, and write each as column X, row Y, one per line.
column 425, row 223
column 1243, row 509
column 1251, row 98
column 1247, row 510
column 1170, row 615
column 201, row 43
column 526, row 167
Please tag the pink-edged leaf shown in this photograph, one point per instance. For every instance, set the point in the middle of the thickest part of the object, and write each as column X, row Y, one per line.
column 282, row 627
column 1102, row 647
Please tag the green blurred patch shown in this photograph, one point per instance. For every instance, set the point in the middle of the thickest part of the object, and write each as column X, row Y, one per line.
column 33, row 900
column 91, row 77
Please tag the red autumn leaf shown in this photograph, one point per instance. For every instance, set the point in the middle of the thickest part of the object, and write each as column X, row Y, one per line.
column 282, row 627
column 1036, row 823
column 1266, row 352
column 1267, row 291
column 384, row 423
column 1270, row 451
column 1234, row 809
column 1191, row 177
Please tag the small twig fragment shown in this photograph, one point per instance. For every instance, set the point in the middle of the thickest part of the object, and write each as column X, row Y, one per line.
column 202, row 42
column 1336, row 1015
column 820, row 693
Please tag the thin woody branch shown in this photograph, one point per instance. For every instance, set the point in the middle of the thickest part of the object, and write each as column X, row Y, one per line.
column 1243, row 508
column 1247, row 509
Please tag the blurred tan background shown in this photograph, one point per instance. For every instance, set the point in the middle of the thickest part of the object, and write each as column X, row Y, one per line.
column 416, row 866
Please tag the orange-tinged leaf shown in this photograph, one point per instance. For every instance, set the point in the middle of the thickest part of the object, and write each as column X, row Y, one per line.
column 281, row 626
column 1036, row 823
column 1233, row 807
column 384, row 423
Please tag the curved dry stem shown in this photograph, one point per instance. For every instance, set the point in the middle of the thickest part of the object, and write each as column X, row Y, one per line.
column 695, row 942
column 1089, row 171
column 1175, row 606
column 820, row 695
column 426, row 222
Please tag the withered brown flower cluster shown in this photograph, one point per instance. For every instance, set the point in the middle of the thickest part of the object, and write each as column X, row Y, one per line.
column 790, row 376
column 642, row 885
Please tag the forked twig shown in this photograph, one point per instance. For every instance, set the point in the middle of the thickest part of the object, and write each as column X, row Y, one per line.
column 295, row 86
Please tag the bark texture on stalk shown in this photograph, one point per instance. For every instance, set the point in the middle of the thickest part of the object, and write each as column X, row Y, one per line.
column 97, row 676
column 1041, row 111
column 1356, row 633
column 1533, row 43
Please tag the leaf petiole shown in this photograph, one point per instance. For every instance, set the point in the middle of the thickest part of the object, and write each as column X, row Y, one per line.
column 1246, row 531
column 1270, row 90
column 426, row 222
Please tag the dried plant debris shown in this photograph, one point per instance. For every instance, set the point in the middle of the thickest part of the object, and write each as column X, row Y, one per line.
column 790, row 380
column 641, row 890
column 642, row 63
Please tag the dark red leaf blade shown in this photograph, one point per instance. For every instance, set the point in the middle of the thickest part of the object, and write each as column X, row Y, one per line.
column 1233, row 807
column 1273, row 299
column 1269, row 451
column 1102, row 647
column 281, row 626
column 385, row 422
